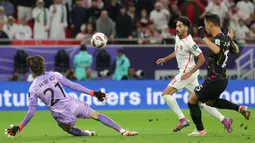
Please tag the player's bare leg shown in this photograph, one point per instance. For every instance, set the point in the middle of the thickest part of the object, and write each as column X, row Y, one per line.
column 171, row 102
column 75, row 131
column 110, row 123
column 227, row 122
column 195, row 114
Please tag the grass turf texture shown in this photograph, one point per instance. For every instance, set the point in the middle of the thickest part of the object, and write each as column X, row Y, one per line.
column 154, row 126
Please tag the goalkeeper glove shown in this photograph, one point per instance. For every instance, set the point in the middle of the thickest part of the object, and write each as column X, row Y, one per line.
column 100, row 96
column 13, row 130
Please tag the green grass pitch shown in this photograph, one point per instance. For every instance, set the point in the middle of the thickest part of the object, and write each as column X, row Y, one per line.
column 154, row 126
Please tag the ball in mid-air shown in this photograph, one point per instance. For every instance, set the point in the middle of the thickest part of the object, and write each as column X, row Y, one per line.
column 99, row 40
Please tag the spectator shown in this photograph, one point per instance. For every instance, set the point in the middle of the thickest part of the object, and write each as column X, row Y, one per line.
column 94, row 11
column 11, row 28
column 123, row 25
column 165, row 3
column 81, row 61
column 25, row 9
column 252, row 31
column 229, row 3
column 89, row 3
column 86, row 34
column 194, row 31
column 3, row 35
column 70, row 75
column 3, row 17
column 113, row 9
column 153, row 34
column 160, row 16
column 217, row 7
column 24, row 32
column 105, row 25
column 89, row 74
column 166, row 36
column 20, row 64
column 175, row 14
column 58, row 16
column 241, row 32
column 103, row 60
column 131, row 74
column 131, row 13
column 246, row 7
column 41, row 17
column 15, row 77
column 141, row 34
column 193, row 9
column 235, row 14
column 79, row 16
column 8, row 6
column 48, row 3
column 122, row 65
column 62, row 61
column 144, row 4
column 144, row 18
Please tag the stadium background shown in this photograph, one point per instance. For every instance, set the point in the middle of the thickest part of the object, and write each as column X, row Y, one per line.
column 142, row 42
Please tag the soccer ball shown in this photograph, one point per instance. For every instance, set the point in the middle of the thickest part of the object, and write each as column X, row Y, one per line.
column 99, row 40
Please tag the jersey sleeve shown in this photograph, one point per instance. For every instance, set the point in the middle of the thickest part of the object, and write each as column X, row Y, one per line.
column 68, row 83
column 217, row 41
column 33, row 100
column 193, row 48
column 233, row 48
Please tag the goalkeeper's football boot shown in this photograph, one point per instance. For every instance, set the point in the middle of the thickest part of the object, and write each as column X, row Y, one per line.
column 182, row 123
column 128, row 133
column 198, row 133
column 90, row 133
column 227, row 122
column 244, row 111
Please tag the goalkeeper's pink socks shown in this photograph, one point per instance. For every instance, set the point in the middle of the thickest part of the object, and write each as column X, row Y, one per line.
column 109, row 122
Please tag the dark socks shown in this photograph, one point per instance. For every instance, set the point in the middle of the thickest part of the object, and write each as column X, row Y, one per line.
column 195, row 114
column 225, row 104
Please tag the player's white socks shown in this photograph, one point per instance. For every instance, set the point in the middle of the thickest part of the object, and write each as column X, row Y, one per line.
column 171, row 102
column 212, row 111
column 122, row 131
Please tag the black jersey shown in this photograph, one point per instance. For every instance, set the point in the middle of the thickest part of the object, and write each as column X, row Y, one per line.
column 216, row 69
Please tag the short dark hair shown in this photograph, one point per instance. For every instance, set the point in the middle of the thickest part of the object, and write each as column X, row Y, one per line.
column 185, row 21
column 83, row 48
column 36, row 64
column 213, row 18
column 121, row 50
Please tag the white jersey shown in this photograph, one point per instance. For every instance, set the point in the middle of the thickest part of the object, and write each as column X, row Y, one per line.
column 186, row 50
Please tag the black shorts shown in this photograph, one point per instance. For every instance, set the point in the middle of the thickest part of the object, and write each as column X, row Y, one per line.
column 210, row 90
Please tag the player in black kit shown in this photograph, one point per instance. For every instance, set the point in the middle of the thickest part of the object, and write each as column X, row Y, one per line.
column 217, row 80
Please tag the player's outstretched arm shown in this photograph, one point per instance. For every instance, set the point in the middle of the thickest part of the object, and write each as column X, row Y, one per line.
column 167, row 58
column 75, row 86
column 30, row 113
column 213, row 47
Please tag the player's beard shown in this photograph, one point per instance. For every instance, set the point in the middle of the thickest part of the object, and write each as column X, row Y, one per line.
column 180, row 34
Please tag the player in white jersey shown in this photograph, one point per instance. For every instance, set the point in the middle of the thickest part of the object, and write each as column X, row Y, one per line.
column 185, row 52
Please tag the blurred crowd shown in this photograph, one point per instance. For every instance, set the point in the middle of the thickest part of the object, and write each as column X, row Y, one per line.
column 119, row 69
column 149, row 21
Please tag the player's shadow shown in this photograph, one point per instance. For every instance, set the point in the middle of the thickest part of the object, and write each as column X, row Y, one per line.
column 44, row 138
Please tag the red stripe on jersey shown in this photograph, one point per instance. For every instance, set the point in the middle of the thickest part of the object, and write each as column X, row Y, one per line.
column 187, row 64
column 174, row 82
column 199, row 54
